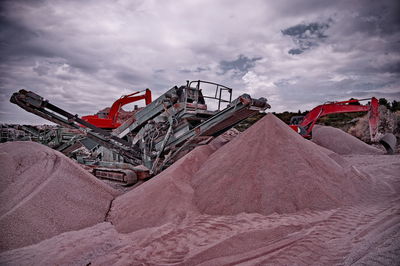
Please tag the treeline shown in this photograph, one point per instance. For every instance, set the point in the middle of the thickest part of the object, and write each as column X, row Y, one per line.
column 392, row 106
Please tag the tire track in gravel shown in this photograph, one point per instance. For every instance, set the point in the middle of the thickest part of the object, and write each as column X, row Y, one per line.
column 326, row 237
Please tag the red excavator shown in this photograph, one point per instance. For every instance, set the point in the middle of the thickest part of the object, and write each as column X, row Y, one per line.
column 304, row 124
column 109, row 120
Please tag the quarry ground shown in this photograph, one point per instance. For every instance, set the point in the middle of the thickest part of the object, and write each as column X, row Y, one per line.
column 330, row 209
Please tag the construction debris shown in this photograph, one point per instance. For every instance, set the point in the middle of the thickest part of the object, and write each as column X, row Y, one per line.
column 389, row 123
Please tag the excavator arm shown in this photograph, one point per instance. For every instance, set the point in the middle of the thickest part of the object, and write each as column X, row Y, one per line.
column 305, row 126
column 110, row 120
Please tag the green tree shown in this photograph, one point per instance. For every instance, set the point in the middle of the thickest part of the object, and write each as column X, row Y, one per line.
column 354, row 103
column 395, row 106
column 383, row 101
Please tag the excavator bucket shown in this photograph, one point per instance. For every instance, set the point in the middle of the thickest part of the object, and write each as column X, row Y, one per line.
column 374, row 119
column 389, row 142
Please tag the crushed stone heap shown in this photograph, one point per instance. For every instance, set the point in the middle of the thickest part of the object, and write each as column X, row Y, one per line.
column 43, row 193
column 268, row 168
column 341, row 142
column 164, row 198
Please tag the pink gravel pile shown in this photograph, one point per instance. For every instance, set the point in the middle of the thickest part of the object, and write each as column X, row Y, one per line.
column 340, row 142
column 43, row 193
column 164, row 198
column 268, row 168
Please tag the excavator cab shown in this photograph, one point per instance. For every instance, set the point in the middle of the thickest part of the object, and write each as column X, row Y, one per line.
column 109, row 119
column 102, row 114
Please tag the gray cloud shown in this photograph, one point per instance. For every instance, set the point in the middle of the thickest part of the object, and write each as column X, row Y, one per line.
column 84, row 55
column 306, row 36
column 196, row 70
column 241, row 65
column 393, row 68
column 294, row 51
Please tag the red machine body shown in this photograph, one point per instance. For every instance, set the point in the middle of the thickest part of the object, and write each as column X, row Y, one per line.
column 110, row 120
column 305, row 126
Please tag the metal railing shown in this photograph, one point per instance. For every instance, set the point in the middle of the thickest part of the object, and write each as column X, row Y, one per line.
column 219, row 89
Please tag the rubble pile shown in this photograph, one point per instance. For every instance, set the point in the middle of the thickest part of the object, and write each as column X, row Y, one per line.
column 389, row 122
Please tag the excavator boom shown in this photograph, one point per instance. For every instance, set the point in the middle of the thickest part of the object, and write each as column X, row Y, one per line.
column 305, row 126
column 110, row 120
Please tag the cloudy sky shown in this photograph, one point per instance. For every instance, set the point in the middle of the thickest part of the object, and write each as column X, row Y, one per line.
column 82, row 55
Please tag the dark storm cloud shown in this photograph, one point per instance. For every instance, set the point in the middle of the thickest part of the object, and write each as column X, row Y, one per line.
column 375, row 18
column 240, row 65
column 21, row 41
column 295, row 51
column 302, row 31
column 392, row 68
column 306, row 36
column 15, row 38
column 12, row 30
column 83, row 55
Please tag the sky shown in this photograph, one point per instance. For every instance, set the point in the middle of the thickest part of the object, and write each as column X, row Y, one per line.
column 83, row 55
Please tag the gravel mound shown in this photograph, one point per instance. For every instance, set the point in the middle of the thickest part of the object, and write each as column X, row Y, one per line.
column 165, row 198
column 268, row 168
column 43, row 193
column 341, row 142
